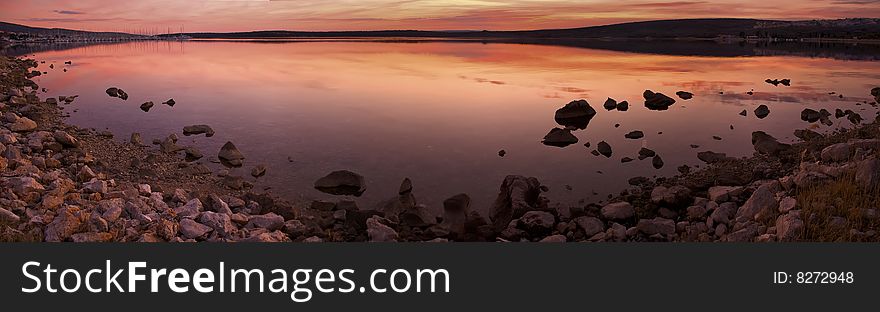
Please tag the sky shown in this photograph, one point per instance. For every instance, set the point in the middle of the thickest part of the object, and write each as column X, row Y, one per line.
column 245, row 15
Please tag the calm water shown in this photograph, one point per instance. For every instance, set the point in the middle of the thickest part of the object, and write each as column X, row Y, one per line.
column 439, row 112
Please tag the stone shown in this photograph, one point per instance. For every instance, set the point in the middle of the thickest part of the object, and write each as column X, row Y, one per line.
column 67, row 222
column 610, row 104
column 217, row 204
column 657, row 101
column 22, row 186
column 657, row 162
column 810, row 115
column 762, row 111
column 558, row 238
column 537, row 223
column 455, row 212
column 575, row 114
column 169, row 102
column 295, row 228
column 517, row 195
column 341, row 182
column 604, row 149
column 787, row 204
column 674, row 196
column 590, row 225
column 113, row 91
column 720, row 194
column 789, row 227
column 194, row 230
column 623, row 106
column 230, row 155
column 844, row 151
column 618, row 211
column 96, row 186
column 91, row 237
column 221, row 223
column 379, row 232
column 634, row 135
column 191, row 209
column 710, row 157
column 646, row 153
column 198, row 129
column 807, row 134
column 23, row 124
column 559, row 138
column 656, row 226
column 760, row 205
column 8, row 217
column 136, row 139
column 767, row 144
column 684, row 95
column 65, row 139
column 258, row 171
column 269, row 221
column 868, row 174
column 146, row 106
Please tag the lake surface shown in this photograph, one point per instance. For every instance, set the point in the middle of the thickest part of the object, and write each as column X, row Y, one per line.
column 439, row 112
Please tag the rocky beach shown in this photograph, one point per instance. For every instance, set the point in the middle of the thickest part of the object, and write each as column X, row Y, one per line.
column 61, row 182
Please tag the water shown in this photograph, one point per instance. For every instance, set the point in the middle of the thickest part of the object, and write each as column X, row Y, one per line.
column 439, row 112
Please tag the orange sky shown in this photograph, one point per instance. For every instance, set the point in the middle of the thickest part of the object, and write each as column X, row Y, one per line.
column 244, row 15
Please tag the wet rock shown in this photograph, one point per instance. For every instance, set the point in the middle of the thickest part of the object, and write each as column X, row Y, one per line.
column 169, row 102
column 136, row 139
column 839, row 113
column 762, row 111
column 258, row 171
column 198, row 129
column 575, row 114
column 810, row 115
column 229, row 154
column 853, row 117
column 634, row 135
column 604, row 149
column 113, row 91
column 590, row 225
column 767, row 144
column 646, row 153
column 501, row 153
column 518, row 195
column 193, row 230
column 559, row 138
column 684, row 95
column 760, row 205
column 610, row 104
column 657, row 101
column 626, row 160
column 743, row 113
column 618, row 211
column 379, row 232
column 710, row 157
column 807, row 134
column 146, row 106
column 623, row 106
column 657, row 225
column 341, row 182
column 657, row 162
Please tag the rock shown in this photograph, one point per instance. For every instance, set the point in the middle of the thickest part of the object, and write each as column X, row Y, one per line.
column 839, row 113
column 379, row 232
column 23, row 124
column 295, row 228
column 191, row 209
column 674, row 196
column 217, row 204
column 219, row 222
column 844, row 151
column 623, row 106
column 806, row 134
column 122, row 95
column 537, row 223
column 657, row 162
column 198, row 129
column 646, row 153
column 147, row 106
column 501, row 153
column 559, row 138
column 258, row 171
column 684, row 95
column 710, row 157
column 656, row 226
column 743, row 113
column 558, row 238
column 868, row 174
column 604, row 149
column 618, row 211
column 136, row 139
column 192, row 153
column 657, row 101
column 720, row 194
column 517, row 195
column 113, row 92
column 194, row 230
column 810, row 115
column 787, row 204
column 634, row 135
column 230, row 155
column 169, row 102
column 789, row 227
column 761, row 205
column 96, row 186
column 762, row 111
column 8, row 217
column 626, row 160
column 590, row 225
column 65, row 139
column 269, row 221
column 576, row 114
column 610, row 104
column 67, row 222
column 767, row 144
column 405, row 187
column 455, row 212
column 341, row 182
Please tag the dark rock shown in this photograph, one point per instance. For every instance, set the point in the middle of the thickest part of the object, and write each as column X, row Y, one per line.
column 575, row 114
column 559, row 138
column 113, row 92
column 198, row 129
column 810, row 115
column 657, row 162
column 762, row 111
column 626, row 160
column 169, row 102
column 767, row 144
column 645, row 152
column 807, row 134
column 146, row 106
column 744, row 113
column 230, row 155
column 610, row 104
column 604, row 148
column 342, row 182
column 518, row 194
column 634, row 135
column 455, row 212
column 501, row 153
column 684, row 95
column 258, row 171
column 657, row 101
column 710, row 157
column 623, row 106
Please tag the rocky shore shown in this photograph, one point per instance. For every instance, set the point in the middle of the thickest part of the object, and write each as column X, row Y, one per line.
column 63, row 183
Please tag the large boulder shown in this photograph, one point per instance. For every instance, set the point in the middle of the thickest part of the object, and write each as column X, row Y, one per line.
column 342, row 182
column 657, row 101
column 844, row 151
column 230, row 155
column 575, row 114
column 518, row 195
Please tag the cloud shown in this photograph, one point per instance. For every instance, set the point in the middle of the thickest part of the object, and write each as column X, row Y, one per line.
column 69, row 12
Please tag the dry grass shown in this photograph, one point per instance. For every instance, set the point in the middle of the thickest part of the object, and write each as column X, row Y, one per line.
column 841, row 197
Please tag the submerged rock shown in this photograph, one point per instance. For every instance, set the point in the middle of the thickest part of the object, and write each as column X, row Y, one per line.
column 684, row 95
column 559, row 138
column 657, row 101
column 112, row 91
column 634, row 135
column 258, row 171
column 230, row 155
column 807, row 134
column 575, row 114
column 710, row 157
column 767, row 144
column 341, row 182
column 169, row 102
column 762, row 111
column 657, row 162
column 810, row 115
column 604, row 149
column 646, row 153
column 198, row 129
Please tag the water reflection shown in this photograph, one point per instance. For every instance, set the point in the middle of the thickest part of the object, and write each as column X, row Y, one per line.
column 439, row 112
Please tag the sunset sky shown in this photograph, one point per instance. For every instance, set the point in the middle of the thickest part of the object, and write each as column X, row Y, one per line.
column 245, row 15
